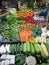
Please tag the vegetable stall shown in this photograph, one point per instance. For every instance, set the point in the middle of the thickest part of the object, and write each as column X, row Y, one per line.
column 24, row 39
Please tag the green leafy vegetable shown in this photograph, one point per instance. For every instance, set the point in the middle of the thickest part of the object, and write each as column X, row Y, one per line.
column 20, row 60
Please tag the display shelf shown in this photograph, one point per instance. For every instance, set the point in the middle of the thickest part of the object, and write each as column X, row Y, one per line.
column 2, row 42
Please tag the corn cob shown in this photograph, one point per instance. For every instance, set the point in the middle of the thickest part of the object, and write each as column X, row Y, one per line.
column 44, row 49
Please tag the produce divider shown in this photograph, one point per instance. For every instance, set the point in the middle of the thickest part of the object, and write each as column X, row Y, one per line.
column 9, row 42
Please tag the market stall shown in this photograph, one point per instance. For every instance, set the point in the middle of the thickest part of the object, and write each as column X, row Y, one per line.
column 24, row 36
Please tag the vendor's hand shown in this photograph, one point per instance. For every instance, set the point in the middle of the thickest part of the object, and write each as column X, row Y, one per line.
column 4, row 14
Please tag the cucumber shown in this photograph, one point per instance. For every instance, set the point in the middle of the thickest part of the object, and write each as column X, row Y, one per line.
column 39, row 47
column 18, row 47
column 47, row 46
column 32, row 49
column 24, row 47
column 12, row 49
column 42, row 54
column 21, row 47
column 15, row 48
column 37, row 50
column 28, row 47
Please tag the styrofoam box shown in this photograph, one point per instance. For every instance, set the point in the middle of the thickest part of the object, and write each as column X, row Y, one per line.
column 3, row 56
column 2, row 63
column 7, row 62
column 8, row 56
column 12, row 60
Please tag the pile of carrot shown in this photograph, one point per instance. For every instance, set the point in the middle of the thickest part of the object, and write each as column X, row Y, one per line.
column 21, row 15
column 25, row 35
column 29, row 13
